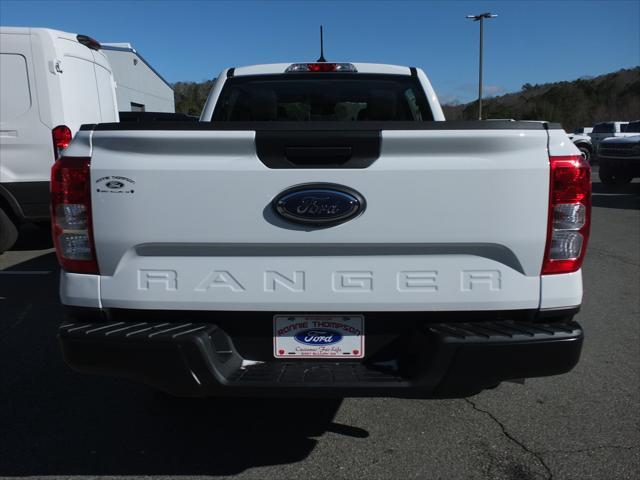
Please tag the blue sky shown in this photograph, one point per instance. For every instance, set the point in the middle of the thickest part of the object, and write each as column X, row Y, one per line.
column 530, row 41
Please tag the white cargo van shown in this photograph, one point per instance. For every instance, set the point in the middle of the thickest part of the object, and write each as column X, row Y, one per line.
column 51, row 82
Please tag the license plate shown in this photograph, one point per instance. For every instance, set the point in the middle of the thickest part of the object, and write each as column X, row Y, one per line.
column 318, row 336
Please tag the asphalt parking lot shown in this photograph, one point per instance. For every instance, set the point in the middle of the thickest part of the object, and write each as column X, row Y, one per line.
column 585, row 424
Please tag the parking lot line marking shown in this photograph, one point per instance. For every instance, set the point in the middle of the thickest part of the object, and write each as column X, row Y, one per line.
column 612, row 194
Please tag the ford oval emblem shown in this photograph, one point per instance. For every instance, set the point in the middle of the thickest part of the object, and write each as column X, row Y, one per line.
column 318, row 336
column 319, row 204
column 114, row 184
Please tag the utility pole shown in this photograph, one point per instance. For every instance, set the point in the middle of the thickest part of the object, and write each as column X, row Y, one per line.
column 480, row 18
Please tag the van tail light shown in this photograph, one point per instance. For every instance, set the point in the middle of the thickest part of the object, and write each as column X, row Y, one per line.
column 569, row 214
column 71, row 215
column 89, row 42
column 61, row 139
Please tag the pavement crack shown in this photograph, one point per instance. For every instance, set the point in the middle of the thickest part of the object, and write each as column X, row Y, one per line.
column 506, row 433
column 619, row 258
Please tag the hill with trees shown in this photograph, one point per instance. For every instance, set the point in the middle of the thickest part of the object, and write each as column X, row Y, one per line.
column 190, row 96
column 577, row 103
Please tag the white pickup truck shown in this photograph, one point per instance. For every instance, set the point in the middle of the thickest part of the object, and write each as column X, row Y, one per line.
column 321, row 231
column 620, row 157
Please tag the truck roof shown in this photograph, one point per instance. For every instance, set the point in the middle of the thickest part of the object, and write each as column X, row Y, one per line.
column 275, row 68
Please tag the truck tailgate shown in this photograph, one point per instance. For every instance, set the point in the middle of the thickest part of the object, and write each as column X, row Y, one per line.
column 455, row 220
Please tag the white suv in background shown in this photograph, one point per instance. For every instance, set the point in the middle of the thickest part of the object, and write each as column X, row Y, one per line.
column 605, row 130
column 51, row 82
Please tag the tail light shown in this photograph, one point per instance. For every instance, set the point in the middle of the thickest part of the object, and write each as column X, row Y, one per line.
column 71, row 215
column 569, row 214
column 89, row 42
column 321, row 67
column 61, row 139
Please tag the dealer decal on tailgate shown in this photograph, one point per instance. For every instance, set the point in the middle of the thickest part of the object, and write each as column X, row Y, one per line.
column 326, row 336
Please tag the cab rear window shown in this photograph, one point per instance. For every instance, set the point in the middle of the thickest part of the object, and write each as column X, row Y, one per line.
column 633, row 127
column 604, row 128
column 331, row 97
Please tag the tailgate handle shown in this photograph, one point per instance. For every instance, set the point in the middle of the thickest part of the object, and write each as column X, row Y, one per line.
column 318, row 155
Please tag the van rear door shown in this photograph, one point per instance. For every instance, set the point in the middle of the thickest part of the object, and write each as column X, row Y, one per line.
column 80, row 103
column 106, row 88
column 88, row 94
column 26, row 147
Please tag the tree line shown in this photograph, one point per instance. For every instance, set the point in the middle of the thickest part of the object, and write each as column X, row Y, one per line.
column 577, row 103
column 190, row 96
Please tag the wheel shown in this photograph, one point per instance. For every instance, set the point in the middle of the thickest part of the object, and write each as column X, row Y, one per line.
column 586, row 152
column 608, row 176
column 8, row 232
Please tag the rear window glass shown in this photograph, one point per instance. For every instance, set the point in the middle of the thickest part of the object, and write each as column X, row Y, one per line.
column 320, row 97
column 633, row 127
column 604, row 128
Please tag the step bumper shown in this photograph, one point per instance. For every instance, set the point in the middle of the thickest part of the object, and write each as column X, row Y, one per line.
column 444, row 359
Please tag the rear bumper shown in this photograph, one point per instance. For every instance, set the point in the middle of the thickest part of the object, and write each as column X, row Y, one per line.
column 419, row 359
column 631, row 163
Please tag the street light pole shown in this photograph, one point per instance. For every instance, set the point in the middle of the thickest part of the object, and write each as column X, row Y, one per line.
column 480, row 69
column 480, row 18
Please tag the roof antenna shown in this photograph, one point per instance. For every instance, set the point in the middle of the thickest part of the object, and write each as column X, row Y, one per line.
column 321, row 59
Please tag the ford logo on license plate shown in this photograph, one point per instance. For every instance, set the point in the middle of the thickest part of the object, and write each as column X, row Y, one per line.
column 319, row 204
column 318, row 337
